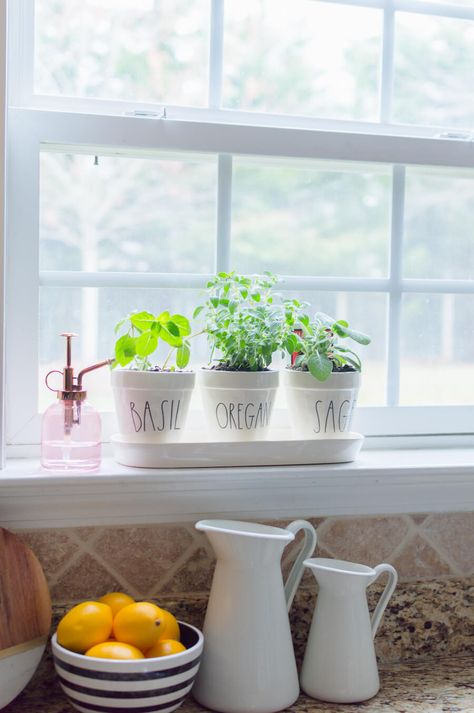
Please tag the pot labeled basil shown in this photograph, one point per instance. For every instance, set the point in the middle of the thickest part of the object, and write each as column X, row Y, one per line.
column 323, row 381
column 152, row 401
column 244, row 326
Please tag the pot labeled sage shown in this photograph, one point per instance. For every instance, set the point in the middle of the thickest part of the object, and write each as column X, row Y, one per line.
column 321, row 409
column 322, row 384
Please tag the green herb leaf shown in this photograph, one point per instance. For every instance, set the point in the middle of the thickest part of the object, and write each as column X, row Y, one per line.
column 182, row 356
column 142, row 320
column 344, row 332
column 183, row 324
column 169, row 338
column 146, row 343
column 125, row 350
column 173, row 328
column 291, row 344
column 163, row 318
column 319, row 366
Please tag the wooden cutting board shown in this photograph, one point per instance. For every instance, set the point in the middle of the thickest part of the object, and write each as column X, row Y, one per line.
column 25, row 615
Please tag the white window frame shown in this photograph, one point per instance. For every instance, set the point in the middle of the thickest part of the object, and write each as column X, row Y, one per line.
column 3, row 96
column 53, row 123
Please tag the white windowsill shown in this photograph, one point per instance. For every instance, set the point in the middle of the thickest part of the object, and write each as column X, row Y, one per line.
column 380, row 481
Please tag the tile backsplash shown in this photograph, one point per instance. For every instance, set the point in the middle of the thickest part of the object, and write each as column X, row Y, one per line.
column 157, row 560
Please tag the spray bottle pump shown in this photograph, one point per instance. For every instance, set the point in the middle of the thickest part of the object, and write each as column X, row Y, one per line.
column 71, row 429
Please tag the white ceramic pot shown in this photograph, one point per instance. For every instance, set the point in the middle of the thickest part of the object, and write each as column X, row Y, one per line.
column 17, row 666
column 238, row 405
column 152, row 406
column 321, row 409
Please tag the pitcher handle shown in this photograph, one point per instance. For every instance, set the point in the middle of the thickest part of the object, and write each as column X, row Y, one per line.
column 386, row 594
column 307, row 549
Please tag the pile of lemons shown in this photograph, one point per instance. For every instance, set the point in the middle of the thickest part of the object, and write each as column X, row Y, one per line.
column 117, row 627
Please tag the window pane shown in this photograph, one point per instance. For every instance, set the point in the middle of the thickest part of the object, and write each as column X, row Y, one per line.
column 310, row 218
column 366, row 312
column 434, row 81
column 437, row 350
column 127, row 214
column 93, row 313
column 147, row 51
column 438, row 224
column 303, row 57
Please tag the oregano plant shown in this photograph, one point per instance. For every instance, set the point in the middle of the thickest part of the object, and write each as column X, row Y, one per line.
column 143, row 333
column 317, row 343
column 244, row 324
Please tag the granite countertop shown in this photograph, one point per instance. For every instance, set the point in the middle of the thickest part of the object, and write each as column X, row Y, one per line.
column 437, row 686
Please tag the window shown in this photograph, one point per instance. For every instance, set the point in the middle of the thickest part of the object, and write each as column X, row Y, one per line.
column 153, row 143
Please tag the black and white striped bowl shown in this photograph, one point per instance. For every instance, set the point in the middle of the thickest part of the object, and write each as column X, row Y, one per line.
column 157, row 685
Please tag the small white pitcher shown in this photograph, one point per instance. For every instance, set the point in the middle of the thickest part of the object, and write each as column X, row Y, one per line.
column 339, row 663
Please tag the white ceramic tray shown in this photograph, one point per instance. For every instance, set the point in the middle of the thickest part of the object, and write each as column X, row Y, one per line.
column 205, row 454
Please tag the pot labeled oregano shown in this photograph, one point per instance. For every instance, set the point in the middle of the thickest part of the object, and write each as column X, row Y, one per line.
column 245, row 326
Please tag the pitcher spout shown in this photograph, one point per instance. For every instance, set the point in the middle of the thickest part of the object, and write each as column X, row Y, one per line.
column 338, row 573
column 251, row 544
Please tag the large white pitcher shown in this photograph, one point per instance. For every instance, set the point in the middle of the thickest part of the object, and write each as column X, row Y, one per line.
column 248, row 664
column 339, row 663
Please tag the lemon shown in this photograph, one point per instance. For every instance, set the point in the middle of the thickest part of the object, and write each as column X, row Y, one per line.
column 115, row 650
column 138, row 624
column 84, row 626
column 165, row 647
column 170, row 627
column 116, row 601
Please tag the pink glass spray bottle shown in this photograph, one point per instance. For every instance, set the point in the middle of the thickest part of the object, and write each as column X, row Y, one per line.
column 71, row 428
